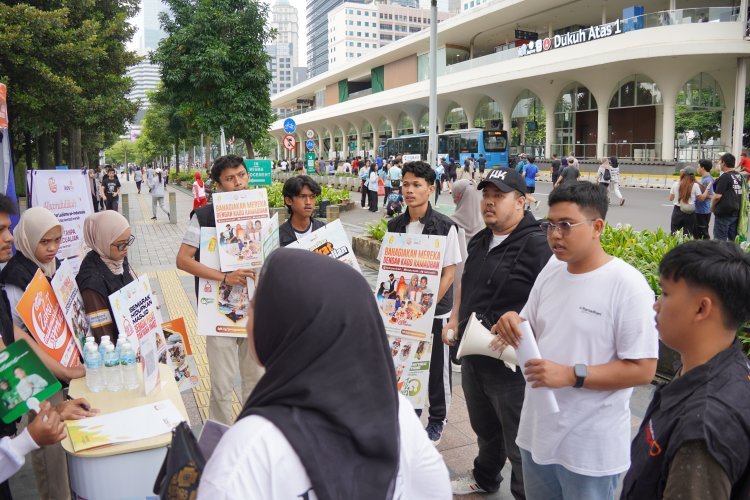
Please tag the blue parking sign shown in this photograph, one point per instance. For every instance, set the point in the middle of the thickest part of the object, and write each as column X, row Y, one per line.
column 310, row 145
column 289, row 126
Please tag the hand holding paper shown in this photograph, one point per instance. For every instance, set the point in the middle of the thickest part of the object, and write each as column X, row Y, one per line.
column 527, row 350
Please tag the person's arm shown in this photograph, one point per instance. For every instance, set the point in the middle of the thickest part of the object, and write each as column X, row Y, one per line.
column 446, row 281
column 452, row 323
column 696, row 475
column 705, row 192
column 75, row 409
column 186, row 262
column 62, row 373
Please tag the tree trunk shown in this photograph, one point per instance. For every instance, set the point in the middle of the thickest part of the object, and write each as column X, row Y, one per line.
column 57, row 152
column 28, row 151
column 208, row 152
column 78, row 158
column 43, row 146
column 190, row 154
column 249, row 148
column 177, row 155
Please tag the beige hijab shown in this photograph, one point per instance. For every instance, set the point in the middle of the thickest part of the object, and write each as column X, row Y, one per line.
column 102, row 229
column 32, row 226
column 468, row 214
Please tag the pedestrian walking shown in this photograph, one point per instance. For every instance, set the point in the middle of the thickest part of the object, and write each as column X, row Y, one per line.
column 157, row 193
column 703, row 201
column 199, row 192
column 726, row 201
column 614, row 167
column 138, row 177
column 111, row 190
column 96, row 189
column 555, row 167
column 530, row 171
column 683, row 195
column 372, row 188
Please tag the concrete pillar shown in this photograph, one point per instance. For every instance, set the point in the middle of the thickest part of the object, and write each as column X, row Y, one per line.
column 672, row 4
column 172, row 207
column 739, row 106
column 604, row 13
column 507, row 111
column 470, row 116
column 125, row 206
column 441, row 125
column 602, row 129
column 726, row 127
column 667, row 127
column 549, row 131
column 320, row 142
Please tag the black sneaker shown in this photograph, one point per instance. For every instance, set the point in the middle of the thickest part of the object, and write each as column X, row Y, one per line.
column 434, row 432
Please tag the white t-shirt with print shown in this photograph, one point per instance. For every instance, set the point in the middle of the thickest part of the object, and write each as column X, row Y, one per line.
column 255, row 460
column 675, row 191
column 592, row 318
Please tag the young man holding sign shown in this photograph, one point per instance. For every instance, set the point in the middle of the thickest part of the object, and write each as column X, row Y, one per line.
column 418, row 183
column 224, row 353
column 592, row 318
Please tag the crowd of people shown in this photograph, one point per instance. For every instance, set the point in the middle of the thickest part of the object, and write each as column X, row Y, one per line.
column 322, row 416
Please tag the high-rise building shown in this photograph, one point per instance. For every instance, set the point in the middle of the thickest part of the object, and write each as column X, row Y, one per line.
column 283, row 52
column 285, row 19
column 356, row 30
column 317, row 34
column 146, row 77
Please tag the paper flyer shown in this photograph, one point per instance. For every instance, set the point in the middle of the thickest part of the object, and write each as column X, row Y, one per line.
column 43, row 316
column 271, row 239
column 70, row 300
column 408, row 283
column 546, row 402
column 136, row 316
column 23, row 376
column 67, row 194
column 242, row 220
column 133, row 424
column 183, row 362
column 222, row 308
column 330, row 240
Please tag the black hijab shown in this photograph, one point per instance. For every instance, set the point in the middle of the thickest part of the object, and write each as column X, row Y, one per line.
column 329, row 385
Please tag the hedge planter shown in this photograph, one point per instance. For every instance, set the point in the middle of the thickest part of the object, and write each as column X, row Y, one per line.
column 366, row 248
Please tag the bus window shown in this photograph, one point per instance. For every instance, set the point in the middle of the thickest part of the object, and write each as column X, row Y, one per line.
column 495, row 140
column 469, row 143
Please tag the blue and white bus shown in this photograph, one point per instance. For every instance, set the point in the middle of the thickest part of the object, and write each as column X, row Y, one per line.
column 457, row 144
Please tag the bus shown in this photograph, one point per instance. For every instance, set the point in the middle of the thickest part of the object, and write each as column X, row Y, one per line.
column 456, row 144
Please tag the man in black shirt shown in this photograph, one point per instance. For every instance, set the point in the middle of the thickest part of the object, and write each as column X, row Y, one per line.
column 725, row 203
column 502, row 264
column 694, row 441
column 555, row 168
column 299, row 197
column 111, row 188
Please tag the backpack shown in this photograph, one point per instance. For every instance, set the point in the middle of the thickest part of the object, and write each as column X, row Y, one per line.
column 607, row 175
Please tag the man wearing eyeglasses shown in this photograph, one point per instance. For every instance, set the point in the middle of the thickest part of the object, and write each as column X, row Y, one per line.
column 224, row 353
column 299, row 197
column 503, row 261
column 592, row 317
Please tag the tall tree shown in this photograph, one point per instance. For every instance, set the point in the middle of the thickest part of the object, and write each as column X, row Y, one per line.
column 213, row 62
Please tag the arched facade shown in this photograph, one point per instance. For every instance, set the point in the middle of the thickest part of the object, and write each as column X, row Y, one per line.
column 384, row 132
column 424, row 122
column 489, row 114
column 575, row 122
column 405, row 125
column 635, row 116
column 528, row 123
column 455, row 118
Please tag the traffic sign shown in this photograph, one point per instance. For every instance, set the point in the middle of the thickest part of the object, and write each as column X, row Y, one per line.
column 259, row 172
column 310, row 163
column 310, row 145
column 290, row 142
column 289, row 126
column 310, row 133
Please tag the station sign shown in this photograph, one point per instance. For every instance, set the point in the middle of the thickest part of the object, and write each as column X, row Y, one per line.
column 259, row 172
column 527, row 35
column 571, row 38
column 310, row 163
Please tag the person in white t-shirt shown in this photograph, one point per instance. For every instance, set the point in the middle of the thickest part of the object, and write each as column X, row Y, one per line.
column 592, row 317
column 326, row 420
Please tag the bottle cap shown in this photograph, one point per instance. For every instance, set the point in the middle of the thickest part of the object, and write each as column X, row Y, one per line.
column 110, row 348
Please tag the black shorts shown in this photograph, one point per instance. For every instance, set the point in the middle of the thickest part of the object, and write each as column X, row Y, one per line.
column 481, row 170
column 531, row 189
column 452, row 178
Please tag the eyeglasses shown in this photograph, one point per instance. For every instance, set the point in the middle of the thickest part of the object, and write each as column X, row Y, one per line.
column 122, row 246
column 564, row 226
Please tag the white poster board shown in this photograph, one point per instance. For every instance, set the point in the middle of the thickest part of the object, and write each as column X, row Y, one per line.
column 330, row 240
column 70, row 300
column 241, row 223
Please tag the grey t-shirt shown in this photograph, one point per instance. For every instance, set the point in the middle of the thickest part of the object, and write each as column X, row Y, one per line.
column 570, row 174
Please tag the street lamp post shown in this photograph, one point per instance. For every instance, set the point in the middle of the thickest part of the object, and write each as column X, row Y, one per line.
column 432, row 145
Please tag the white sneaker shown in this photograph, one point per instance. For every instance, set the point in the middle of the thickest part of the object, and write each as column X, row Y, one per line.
column 466, row 485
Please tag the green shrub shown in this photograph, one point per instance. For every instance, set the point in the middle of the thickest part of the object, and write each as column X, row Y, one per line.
column 335, row 196
column 377, row 230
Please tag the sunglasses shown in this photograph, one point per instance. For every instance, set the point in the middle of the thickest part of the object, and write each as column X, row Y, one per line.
column 122, row 246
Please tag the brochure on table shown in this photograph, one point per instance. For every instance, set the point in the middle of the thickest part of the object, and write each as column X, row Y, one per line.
column 136, row 316
column 44, row 318
column 70, row 300
column 408, row 283
column 183, row 362
column 67, row 194
column 222, row 308
column 242, row 221
column 330, row 240
column 133, row 424
column 23, row 378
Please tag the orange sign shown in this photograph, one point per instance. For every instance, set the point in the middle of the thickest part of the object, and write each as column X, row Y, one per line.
column 3, row 106
column 43, row 316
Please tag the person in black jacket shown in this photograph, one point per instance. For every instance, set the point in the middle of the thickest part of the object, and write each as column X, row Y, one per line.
column 418, row 183
column 503, row 262
column 299, row 197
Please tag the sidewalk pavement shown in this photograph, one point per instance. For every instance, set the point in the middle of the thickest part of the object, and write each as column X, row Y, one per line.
column 154, row 252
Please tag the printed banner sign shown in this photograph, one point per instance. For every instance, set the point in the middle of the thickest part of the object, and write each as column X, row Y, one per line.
column 242, row 220
column 183, row 362
column 70, row 300
column 222, row 308
column 23, row 376
column 67, row 194
column 408, row 283
column 330, row 240
column 43, row 316
column 137, row 318
column 259, row 172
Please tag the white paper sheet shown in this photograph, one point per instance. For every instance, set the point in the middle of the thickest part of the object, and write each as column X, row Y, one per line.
column 544, row 398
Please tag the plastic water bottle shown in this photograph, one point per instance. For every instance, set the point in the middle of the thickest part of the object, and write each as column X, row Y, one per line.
column 103, row 345
column 128, row 366
column 94, row 371
column 112, row 371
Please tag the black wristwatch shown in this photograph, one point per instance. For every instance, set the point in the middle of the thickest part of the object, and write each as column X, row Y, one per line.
column 580, row 372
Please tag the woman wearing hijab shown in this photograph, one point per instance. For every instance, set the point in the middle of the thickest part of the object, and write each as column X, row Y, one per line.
column 326, row 417
column 199, row 192
column 105, row 268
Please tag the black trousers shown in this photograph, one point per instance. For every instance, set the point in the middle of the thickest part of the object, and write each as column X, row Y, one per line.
column 385, row 198
column 682, row 221
column 701, row 226
column 373, row 197
column 437, row 191
column 441, row 377
column 96, row 203
column 494, row 398
column 364, row 191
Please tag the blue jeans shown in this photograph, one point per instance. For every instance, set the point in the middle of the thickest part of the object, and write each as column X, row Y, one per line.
column 555, row 482
column 725, row 227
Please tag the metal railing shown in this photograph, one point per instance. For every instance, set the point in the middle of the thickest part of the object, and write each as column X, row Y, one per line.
column 582, row 151
column 636, row 151
column 695, row 152
column 361, row 93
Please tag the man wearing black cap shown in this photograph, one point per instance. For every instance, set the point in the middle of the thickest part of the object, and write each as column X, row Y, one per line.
column 503, row 262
